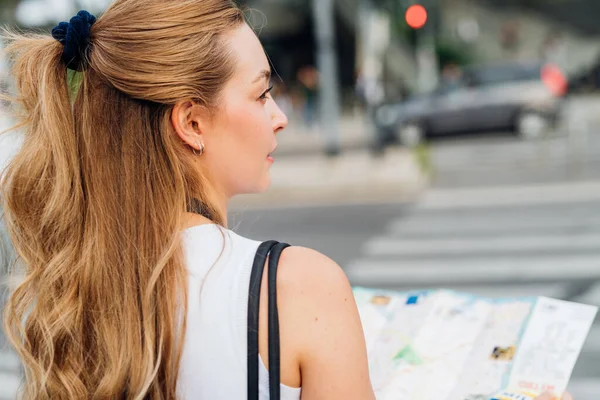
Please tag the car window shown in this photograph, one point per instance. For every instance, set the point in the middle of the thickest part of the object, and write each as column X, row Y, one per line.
column 449, row 86
column 504, row 74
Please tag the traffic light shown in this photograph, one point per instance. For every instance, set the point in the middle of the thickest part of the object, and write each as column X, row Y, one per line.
column 416, row 16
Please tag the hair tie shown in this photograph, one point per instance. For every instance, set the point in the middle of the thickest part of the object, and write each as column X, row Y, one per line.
column 75, row 36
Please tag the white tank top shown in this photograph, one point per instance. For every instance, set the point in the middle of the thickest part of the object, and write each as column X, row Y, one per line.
column 214, row 362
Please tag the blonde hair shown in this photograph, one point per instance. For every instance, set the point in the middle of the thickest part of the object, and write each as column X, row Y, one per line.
column 95, row 197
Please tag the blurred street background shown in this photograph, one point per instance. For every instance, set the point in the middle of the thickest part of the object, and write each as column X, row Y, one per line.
column 432, row 143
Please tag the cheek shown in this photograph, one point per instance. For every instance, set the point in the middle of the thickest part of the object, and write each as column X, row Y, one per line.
column 249, row 141
column 250, row 128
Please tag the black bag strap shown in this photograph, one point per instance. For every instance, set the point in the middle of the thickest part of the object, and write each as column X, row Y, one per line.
column 274, row 343
column 253, row 310
column 272, row 249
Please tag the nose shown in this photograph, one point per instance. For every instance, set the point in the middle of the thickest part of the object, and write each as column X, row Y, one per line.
column 280, row 120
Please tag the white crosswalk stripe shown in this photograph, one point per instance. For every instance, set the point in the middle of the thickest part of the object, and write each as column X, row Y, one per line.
column 498, row 243
column 488, row 222
column 450, row 246
column 480, row 269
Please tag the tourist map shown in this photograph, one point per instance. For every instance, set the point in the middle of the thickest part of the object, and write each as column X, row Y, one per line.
column 446, row 345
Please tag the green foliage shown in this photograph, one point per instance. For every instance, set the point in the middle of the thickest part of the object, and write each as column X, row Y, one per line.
column 423, row 156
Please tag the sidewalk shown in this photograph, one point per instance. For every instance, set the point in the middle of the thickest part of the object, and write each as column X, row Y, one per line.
column 298, row 140
column 353, row 176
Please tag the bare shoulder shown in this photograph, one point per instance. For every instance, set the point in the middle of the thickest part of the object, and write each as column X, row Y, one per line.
column 308, row 271
column 314, row 295
column 320, row 321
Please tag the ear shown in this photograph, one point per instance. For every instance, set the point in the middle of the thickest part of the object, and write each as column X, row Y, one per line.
column 189, row 120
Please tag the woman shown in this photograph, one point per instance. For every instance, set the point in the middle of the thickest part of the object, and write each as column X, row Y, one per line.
column 174, row 106
column 117, row 206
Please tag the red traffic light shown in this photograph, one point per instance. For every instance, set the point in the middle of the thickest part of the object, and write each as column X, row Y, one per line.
column 416, row 16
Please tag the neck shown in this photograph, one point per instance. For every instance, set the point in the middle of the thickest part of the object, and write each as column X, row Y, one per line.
column 222, row 209
column 220, row 201
column 198, row 215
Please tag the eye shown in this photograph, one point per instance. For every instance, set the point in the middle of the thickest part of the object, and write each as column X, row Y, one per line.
column 266, row 92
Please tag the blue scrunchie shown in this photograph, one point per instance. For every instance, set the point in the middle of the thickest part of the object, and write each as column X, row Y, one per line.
column 75, row 36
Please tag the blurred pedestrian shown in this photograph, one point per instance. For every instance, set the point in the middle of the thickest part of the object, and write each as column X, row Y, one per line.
column 451, row 76
column 308, row 77
column 117, row 206
column 510, row 34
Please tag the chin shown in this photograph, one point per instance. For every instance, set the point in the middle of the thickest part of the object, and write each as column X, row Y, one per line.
column 260, row 187
column 264, row 186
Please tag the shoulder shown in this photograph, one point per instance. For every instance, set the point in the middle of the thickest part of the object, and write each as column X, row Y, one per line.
column 306, row 271
column 314, row 295
column 321, row 323
column 305, row 281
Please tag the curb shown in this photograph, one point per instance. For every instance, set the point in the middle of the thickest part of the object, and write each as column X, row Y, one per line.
column 343, row 194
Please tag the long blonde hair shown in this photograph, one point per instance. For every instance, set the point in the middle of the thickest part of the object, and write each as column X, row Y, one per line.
column 94, row 199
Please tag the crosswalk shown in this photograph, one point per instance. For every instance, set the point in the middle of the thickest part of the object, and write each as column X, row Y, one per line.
column 476, row 243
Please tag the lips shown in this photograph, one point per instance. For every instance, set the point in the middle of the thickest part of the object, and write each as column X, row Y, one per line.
column 272, row 151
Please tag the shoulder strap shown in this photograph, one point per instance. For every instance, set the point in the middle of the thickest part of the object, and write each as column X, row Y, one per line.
column 253, row 310
column 274, row 343
column 272, row 249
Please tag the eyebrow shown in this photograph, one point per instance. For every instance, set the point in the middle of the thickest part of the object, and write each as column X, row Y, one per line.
column 264, row 74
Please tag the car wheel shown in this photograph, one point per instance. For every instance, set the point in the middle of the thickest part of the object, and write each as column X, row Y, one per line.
column 531, row 125
column 411, row 134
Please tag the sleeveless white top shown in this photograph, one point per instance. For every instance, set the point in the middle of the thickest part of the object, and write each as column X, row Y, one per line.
column 214, row 360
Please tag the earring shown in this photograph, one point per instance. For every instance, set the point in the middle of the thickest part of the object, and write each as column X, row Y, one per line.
column 201, row 151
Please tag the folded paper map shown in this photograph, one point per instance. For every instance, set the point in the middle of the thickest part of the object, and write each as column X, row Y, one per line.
column 445, row 345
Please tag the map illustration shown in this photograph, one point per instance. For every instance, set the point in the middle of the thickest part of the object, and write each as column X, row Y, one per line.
column 436, row 345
